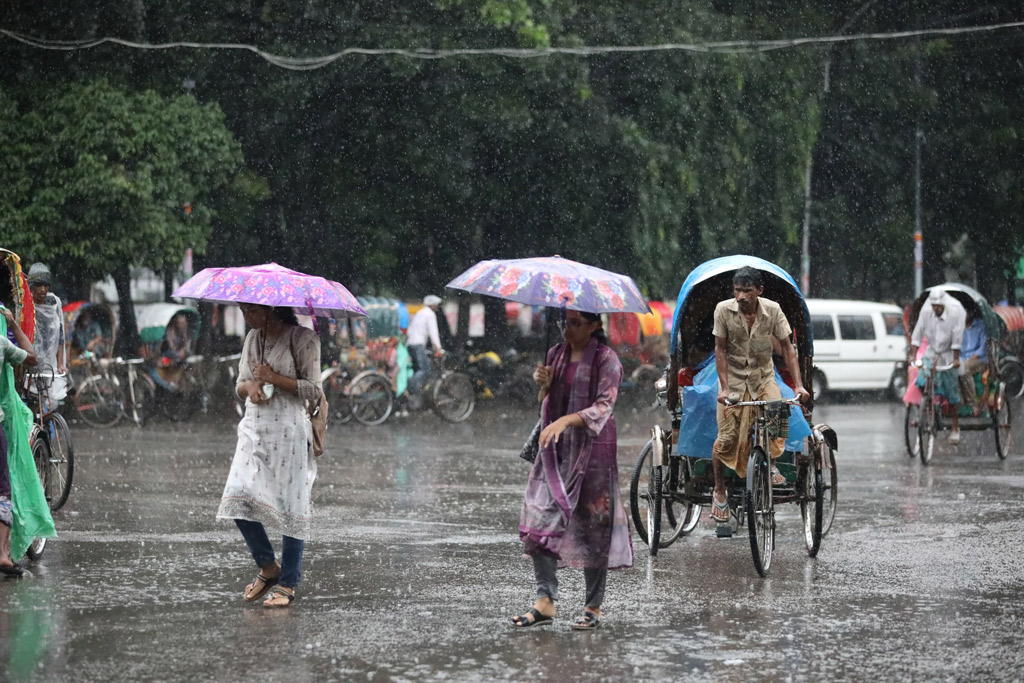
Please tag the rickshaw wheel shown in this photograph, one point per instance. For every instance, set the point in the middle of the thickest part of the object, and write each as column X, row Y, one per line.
column 682, row 517
column 911, row 435
column 760, row 511
column 926, row 431
column 1002, row 423
column 831, row 494
column 644, row 503
column 812, row 504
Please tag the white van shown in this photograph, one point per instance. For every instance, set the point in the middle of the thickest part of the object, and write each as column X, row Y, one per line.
column 858, row 345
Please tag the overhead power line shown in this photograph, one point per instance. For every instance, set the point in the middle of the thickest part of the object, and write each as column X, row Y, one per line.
column 317, row 62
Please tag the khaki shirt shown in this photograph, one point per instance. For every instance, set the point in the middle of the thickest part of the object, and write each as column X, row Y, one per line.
column 749, row 352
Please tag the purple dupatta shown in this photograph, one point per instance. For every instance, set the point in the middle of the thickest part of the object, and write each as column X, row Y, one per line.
column 572, row 508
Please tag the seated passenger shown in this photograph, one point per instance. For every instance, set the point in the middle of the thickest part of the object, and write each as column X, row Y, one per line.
column 973, row 357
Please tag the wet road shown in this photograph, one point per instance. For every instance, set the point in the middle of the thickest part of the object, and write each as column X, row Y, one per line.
column 416, row 567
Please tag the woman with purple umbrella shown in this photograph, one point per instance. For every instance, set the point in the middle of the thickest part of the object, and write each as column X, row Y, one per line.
column 273, row 469
column 572, row 514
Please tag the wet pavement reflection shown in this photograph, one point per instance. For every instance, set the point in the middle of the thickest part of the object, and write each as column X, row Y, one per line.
column 415, row 568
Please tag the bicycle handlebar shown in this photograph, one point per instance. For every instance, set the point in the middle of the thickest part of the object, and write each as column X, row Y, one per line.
column 919, row 364
column 739, row 404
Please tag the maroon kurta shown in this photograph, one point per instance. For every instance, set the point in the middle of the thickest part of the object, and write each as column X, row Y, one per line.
column 572, row 507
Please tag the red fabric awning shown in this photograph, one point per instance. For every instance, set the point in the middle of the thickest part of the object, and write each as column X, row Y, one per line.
column 1013, row 316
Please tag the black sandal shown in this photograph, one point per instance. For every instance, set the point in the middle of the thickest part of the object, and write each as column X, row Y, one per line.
column 588, row 622
column 539, row 619
column 14, row 570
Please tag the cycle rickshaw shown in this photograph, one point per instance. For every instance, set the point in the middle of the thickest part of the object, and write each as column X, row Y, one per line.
column 46, row 433
column 927, row 414
column 673, row 478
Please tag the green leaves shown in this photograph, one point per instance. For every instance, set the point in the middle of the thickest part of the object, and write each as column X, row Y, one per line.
column 100, row 175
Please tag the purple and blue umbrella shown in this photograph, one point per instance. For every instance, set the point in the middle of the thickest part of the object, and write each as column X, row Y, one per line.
column 556, row 282
column 272, row 285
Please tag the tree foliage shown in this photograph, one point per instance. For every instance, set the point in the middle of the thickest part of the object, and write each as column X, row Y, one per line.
column 393, row 174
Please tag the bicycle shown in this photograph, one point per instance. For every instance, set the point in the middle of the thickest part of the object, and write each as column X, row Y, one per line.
column 52, row 449
column 927, row 418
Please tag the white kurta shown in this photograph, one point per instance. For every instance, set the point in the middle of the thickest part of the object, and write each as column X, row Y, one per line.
column 273, row 470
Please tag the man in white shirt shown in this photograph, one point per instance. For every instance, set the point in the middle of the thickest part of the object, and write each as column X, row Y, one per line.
column 942, row 324
column 422, row 329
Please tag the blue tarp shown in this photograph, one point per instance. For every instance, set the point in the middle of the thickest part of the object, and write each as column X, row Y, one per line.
column 699, row 426
column 722, row 265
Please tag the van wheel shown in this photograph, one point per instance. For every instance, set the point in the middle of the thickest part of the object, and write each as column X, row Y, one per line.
column 819, row 386
column 898, row 384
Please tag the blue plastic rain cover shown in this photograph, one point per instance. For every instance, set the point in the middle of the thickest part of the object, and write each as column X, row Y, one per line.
column 699, row 427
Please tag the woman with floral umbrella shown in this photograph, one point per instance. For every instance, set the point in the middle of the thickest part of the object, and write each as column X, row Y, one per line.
column 572, row 514
column 273, row 469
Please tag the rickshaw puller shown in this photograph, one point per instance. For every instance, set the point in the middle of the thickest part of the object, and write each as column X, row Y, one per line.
column 743, row 329
column 942, row 324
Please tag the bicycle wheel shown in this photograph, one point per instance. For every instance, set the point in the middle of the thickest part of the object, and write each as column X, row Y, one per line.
column 39, row 444
column 645, row 498
column 911, row 436
column 1002, row 423
column 35, row 549
column 812, row 507
column 372, row 398
column 180, row 403
column 926, row 431
column 831, row 493
column 454, row 397
column 59, row 470
column 760, row 510
column 99, row 401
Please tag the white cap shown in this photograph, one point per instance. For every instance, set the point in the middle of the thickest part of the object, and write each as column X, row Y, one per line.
column 937, row 296
column 431, row 300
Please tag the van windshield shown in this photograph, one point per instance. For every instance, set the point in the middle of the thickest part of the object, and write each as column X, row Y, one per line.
column 893, row 324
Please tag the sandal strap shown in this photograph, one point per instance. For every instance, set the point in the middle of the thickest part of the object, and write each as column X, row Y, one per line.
column 278, row 591
column 537, row 616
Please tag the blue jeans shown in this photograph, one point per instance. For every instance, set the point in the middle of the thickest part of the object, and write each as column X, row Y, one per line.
column 420, row 365
column 263, row 553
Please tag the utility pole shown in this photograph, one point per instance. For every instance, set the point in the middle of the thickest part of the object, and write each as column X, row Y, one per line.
column 805, row 254
column 918, row 135
column 918, row 236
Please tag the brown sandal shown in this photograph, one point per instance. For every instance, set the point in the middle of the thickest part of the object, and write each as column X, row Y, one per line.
column 279, row 594
column 259, row 587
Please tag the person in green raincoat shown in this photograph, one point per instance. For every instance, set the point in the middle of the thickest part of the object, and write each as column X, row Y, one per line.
column 24, row 513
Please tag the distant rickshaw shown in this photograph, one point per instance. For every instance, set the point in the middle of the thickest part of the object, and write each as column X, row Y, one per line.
column 1011, row 369
column 927, row 414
